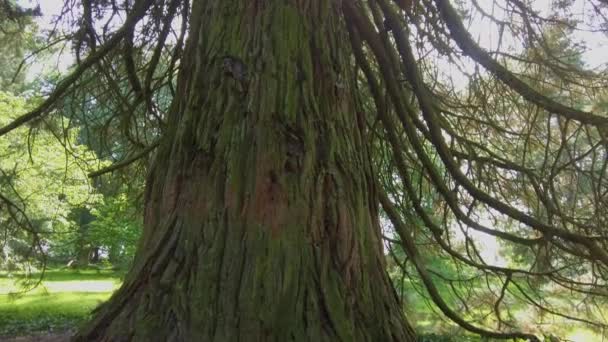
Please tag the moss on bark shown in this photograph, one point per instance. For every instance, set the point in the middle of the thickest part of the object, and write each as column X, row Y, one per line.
column 260, row 222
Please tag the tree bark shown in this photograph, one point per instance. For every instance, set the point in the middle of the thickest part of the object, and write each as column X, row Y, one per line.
column 261, row 222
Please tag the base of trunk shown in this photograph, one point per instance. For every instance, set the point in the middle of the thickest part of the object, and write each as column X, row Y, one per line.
column 261, row 289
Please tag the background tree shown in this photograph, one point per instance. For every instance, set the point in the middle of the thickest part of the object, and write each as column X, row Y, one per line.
column 18, row 35
column 41, row 185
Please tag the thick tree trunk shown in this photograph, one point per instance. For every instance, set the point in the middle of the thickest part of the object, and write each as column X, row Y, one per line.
column 261, row 224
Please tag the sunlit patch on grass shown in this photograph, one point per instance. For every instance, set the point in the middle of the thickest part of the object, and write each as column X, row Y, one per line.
column 82, row 286
column 49, row 287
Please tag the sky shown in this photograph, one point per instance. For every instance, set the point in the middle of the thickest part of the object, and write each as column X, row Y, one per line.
column 597, row 44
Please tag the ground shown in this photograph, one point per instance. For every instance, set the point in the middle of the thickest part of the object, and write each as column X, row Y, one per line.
column 63, row 301
column 54, row 310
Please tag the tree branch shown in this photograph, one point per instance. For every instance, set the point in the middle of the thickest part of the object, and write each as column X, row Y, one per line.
column 125, row 162
column 469, row 47
column 69, row 80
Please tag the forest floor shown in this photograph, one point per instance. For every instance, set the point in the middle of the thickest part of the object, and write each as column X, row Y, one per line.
column 56, row 307
column 63, row 301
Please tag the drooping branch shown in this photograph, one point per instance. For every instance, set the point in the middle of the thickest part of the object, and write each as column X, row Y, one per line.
column 397, row 149
column 125, row 162
column 67, row 82
column 414, row 255
column 432, row 119
column 425, row 134
column 469, row 47
column 405, row 114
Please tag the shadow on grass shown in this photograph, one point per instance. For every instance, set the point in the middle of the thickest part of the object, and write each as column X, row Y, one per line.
column 47, row 312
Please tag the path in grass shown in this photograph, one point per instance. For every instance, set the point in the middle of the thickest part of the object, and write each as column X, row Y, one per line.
column 63, row 301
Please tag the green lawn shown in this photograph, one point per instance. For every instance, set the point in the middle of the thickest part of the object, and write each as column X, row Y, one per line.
column 63, row 300
column 66, row 298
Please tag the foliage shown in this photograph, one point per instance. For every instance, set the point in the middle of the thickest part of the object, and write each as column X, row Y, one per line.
column 18, row 39
column 117, row 228
column 43, row 178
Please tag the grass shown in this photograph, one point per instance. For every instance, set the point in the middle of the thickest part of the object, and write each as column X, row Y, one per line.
column 63, row 300
column 66, row 297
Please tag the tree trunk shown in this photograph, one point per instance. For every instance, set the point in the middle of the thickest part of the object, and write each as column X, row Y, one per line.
column 84, row 253
column 94, row 255
column 261, row 222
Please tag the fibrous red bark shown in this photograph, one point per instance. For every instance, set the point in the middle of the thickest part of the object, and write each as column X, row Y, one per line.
column 261, row 222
